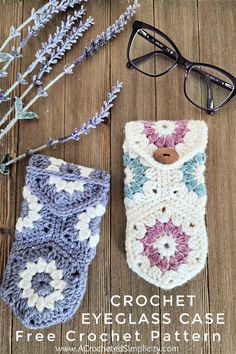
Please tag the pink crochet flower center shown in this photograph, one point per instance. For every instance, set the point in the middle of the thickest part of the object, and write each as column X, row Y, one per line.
column 181, row 240
column 170, row 140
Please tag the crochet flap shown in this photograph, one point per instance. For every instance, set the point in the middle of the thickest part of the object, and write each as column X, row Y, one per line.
column 65, row 188
column 187, row 138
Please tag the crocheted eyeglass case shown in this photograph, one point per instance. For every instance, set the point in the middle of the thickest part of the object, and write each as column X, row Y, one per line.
column 55, row 240
column 165, row 199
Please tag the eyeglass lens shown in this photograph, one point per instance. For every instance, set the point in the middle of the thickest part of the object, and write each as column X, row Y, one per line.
column 206, row 87
column 151, row 53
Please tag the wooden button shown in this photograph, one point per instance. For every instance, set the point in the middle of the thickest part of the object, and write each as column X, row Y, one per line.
column 166, row 155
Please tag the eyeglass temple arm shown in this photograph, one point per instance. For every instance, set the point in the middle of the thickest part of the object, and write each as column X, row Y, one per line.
column 210, row 98
column 172, row 55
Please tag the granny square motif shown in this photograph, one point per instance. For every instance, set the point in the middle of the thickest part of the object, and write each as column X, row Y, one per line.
column 55, row 241
column 165, row 199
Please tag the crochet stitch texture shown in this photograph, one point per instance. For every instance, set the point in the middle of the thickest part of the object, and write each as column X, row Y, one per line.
column 55, row 241
column 166, row 240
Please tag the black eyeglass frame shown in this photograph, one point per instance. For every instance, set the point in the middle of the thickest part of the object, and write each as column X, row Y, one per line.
column 180, row 59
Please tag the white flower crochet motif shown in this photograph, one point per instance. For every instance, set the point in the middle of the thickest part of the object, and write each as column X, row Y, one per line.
column 165, row 127
column 199, row 173
column 34, row 208
column 57, row 284
column 129, row 176
column 85, row 171
column 166, row 246
column 83, row 224
column 69, row 187
column 55, row 164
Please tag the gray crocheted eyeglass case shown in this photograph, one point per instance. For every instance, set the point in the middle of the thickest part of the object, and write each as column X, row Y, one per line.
column 55, row 240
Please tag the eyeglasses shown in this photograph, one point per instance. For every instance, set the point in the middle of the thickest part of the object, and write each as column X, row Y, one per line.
column 152, row 53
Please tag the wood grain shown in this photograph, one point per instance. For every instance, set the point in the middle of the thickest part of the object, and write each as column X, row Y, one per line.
column 92, row 150
column 137, row 102
column 8, row 189
column 203, row 30
column 172, row 104
column 34, row 133
column 216, row 47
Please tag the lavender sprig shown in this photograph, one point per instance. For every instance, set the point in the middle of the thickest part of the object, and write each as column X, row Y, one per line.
column 85, row 129
column 64, row 4
column 97, row 119
column 48, row 47
column 15, row 32
column 3, row 96
column 60, row 51
column 100, row 41
column 55, row 55
column 57, row 38
column 41, row 18
column 109, row 34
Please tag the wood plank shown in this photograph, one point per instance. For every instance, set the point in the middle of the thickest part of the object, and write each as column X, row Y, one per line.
column 12, row 14
column 203, row 31
column 32, row 134
column 217, row 39
column 172, row 104
column 137, row 102
column 85, row 93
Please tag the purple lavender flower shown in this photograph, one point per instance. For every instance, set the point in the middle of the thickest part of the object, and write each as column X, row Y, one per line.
column 49, row 48
column 36, row 81
column 68, row 70
column 20, row 79
column 98, row 117
column 13, row 32
column 42, row 92
column 41, row 18
column 15, row 53
column 60, row 50
column 57, row 38
column 3, row 96
column 64, row 4
column 101, row 40
column 109, row 34
column 3, row 74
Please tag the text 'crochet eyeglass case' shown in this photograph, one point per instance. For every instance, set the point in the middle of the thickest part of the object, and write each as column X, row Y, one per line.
column 55, row 240
column 165, row 199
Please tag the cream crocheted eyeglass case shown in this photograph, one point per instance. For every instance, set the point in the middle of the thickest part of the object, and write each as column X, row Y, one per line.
column 165, row 199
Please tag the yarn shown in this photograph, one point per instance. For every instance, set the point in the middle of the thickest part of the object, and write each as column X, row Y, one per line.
column 55, row 240
column 166, row 240
column 166, row 133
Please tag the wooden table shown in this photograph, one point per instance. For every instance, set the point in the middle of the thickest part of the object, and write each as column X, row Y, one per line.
column 204, row 30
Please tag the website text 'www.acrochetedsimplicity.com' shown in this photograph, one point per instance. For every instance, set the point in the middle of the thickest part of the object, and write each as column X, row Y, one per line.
column 117, row 349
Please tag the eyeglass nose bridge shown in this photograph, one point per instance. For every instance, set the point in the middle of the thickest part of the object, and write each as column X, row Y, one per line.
column 183, row 61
